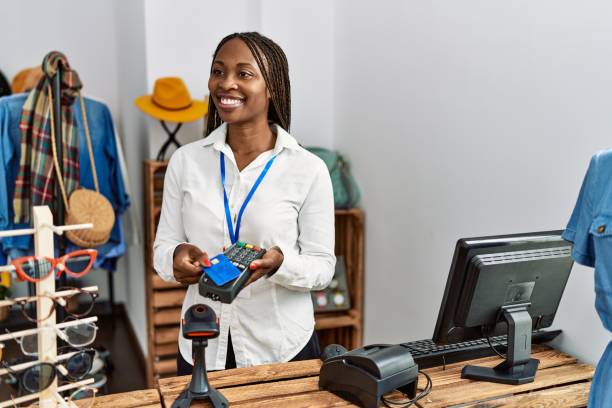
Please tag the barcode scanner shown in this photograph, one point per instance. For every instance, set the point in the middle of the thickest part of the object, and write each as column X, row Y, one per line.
column 200, row 324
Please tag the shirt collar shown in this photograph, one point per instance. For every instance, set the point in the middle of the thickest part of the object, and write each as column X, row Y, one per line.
column 283, row 139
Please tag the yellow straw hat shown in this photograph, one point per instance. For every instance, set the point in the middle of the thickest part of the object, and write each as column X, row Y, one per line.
column 171, row 101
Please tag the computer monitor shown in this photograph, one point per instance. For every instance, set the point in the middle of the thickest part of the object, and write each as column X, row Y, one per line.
column 504, row 284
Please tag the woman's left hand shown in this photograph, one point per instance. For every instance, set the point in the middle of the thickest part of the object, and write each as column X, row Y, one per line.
column 271, row 261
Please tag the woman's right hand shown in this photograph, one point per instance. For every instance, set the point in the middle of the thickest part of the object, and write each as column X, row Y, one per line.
column 187, row 263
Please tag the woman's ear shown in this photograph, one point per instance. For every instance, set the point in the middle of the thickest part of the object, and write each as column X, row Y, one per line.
column 268, row 94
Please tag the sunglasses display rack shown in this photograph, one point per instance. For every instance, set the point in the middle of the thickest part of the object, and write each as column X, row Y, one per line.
column 45, row 294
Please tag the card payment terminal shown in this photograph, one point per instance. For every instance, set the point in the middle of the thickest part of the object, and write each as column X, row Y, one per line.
column 228, row 272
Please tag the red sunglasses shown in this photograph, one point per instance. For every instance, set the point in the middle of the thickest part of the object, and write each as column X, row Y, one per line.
column 36, row 268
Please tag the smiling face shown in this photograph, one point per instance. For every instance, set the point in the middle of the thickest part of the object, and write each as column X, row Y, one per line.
column 236, row 85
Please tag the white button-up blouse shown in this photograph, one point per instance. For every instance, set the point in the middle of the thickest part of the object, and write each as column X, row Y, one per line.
column 272, row 319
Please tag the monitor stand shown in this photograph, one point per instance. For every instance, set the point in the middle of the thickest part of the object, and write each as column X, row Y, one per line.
column 199, row 388
column 518, row 368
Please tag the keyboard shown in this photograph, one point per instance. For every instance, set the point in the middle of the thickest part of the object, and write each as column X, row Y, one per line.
column 428, row 354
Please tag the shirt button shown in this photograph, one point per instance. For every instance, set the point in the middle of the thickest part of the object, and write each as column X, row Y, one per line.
column 601, row 229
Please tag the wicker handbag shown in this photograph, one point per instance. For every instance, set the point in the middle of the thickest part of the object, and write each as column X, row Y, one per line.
column 85, row 206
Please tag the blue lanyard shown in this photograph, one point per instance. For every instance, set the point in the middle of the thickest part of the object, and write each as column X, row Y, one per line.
column 228, row 215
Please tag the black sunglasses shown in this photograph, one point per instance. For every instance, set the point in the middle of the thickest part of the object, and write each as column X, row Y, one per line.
column 40, row 376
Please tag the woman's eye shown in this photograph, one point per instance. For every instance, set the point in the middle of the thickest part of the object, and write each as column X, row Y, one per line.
column 245, row 74
column 217, row 72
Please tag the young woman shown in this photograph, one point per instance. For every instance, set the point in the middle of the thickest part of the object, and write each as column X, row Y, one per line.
column 290, row 211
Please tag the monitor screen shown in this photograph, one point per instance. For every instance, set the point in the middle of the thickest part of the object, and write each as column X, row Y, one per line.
column 489, row 272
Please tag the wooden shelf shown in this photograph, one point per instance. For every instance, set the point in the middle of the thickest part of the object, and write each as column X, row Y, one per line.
column 166, row 335
column 164, row 299
column 167, row 366
column 164, row 350
column 324, row 321
column 168, row 298
column 167, row 316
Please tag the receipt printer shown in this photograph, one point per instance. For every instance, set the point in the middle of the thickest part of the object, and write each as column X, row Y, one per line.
column 362, row 376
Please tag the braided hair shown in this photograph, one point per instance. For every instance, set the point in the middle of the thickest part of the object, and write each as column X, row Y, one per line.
column 272, row 63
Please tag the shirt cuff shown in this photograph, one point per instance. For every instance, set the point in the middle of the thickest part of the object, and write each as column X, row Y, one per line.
column 569, row 235
column 583, row 259
column 282, row 276
column 168, row 267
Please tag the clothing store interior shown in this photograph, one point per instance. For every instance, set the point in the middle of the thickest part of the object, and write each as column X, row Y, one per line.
column 305, row 203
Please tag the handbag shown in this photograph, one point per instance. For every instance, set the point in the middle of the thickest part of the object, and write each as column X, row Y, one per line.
column 346, row 190
column 84, row 205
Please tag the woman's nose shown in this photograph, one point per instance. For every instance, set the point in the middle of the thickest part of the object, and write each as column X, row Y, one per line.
column 228, row 82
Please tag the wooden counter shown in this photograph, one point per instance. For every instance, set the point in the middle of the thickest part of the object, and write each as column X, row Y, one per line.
column 134, row 399
column 560, row 382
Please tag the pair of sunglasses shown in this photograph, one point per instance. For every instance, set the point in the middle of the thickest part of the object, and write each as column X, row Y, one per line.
column 77, row 336
column 39, row 377
column 36, row 268
column 76, row 305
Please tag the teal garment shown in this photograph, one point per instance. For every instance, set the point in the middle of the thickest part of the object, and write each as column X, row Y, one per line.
column 590, row 229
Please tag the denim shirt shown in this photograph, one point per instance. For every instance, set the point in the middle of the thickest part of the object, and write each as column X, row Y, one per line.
column 590, row 229
column 104, row 146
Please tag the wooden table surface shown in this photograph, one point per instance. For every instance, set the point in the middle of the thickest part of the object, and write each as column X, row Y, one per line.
column 133, row 399
column 561, row 381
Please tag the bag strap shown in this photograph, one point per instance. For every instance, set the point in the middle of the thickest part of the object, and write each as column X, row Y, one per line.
column 54, row 148
column 89, row 148
column 58, row 172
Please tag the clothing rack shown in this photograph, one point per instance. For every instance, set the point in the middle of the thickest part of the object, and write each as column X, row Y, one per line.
column 47, row 345
column 59, row 203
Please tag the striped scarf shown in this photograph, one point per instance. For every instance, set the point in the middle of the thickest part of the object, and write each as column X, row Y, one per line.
column 35, row 184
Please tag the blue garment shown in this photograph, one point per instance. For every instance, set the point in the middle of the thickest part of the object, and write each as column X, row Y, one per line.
column 590, row 229
column 107, row 166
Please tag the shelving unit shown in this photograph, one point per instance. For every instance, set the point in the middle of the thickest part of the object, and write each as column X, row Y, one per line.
column 164, row 299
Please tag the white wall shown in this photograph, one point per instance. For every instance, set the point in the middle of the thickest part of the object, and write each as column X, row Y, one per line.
column 465, row 119
column 305, row 31
column 131, row 83
column 84, row 32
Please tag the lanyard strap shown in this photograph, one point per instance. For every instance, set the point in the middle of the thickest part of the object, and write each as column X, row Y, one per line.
column 228, row 215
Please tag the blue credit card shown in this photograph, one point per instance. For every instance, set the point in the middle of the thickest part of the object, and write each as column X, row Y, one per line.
column 221, row 270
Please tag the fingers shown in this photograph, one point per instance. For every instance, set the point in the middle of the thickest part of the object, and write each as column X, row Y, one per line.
column 262, row 264
column 189, row 280
column 198, row 257
column 188, row 266
column 271, row 260
column 186, row 272
column 254, row 276
column 188, row 263
column 203, row 259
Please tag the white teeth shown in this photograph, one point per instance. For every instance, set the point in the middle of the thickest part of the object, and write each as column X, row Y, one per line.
column 230, row 101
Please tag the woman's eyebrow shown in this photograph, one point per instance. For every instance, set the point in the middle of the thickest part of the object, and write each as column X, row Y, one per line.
column 240, row 64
